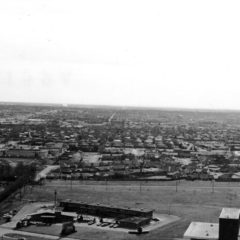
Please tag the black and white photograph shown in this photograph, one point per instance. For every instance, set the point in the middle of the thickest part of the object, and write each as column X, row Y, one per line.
column 119, row 120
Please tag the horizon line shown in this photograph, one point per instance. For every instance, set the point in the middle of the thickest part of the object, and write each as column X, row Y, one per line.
column 172, row 108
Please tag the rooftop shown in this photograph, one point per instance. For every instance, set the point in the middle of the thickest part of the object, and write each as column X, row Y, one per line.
column 230, row 213
column 106, row 206
column 200, row 230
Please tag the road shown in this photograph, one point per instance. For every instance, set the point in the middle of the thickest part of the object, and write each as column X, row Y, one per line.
column 4, row 231
column 102, row 124
column 110, row 119
column 132, row 185
column 45, row 171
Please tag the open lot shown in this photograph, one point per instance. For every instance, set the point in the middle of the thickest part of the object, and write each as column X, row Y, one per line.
column 191, row 201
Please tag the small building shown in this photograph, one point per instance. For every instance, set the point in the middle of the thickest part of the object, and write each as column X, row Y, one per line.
column 134, row 222
column 50, row 217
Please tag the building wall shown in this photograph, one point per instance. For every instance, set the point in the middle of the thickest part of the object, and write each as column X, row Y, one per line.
column 228, row 229
column 56, row 218
column 21, row 153
column 104, row 211
column 131, row 224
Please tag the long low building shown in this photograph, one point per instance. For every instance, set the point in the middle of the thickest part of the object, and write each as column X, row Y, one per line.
column 18, row 152
column 105, row 210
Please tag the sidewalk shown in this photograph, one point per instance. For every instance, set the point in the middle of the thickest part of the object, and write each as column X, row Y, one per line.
column 4, row 231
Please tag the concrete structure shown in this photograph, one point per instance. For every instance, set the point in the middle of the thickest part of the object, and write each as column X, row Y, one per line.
column 6, row 237
column 134, row 222
column 105, row 210
column 229, row 224
column 204, row 231
column 228, row 227
column 50, row 217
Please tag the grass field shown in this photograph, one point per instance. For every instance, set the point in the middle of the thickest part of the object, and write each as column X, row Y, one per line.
column 192, row 201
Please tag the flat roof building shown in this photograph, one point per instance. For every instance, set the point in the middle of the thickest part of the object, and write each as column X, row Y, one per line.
column 229, row 224
column 226, row 229
column 200, row 230
column 105, row 210
column 230, row 213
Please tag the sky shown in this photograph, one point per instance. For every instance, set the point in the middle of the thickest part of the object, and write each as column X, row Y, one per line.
column 171, row 53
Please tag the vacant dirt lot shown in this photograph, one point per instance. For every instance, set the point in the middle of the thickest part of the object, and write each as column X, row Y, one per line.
column 192, row 201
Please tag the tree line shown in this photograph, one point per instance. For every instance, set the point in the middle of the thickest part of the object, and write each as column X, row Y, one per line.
column 23, row 174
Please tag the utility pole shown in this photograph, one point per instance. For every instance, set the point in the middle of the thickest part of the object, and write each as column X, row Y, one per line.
column 213, row 185
column 106, row 184
column 55, row 198
column 60, row 170
column 169, row 208
column 176, row 185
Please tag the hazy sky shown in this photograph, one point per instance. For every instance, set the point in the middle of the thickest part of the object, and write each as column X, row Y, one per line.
column 149, row 53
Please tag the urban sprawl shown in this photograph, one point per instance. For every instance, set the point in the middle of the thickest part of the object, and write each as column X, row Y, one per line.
column 117, row 143
column 115, row 172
